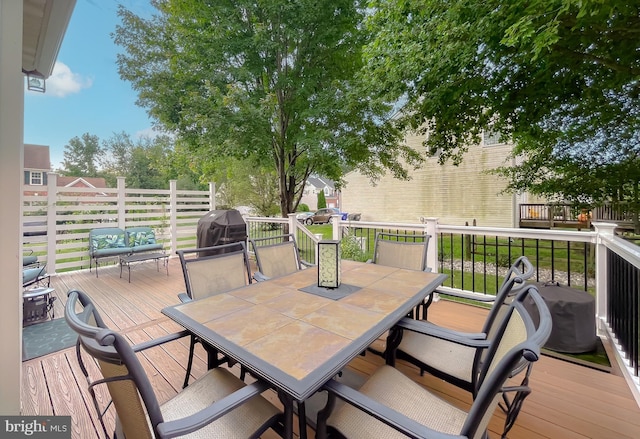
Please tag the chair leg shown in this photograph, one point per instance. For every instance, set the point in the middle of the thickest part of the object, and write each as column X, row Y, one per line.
column 192, row 345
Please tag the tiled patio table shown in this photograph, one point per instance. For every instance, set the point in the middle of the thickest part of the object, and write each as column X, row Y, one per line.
column 297, row 340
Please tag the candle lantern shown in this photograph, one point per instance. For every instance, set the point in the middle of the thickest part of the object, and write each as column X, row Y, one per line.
column 329, row 264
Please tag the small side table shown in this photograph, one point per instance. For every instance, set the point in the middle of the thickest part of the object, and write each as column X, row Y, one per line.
column 37, row 304
column 127, row 260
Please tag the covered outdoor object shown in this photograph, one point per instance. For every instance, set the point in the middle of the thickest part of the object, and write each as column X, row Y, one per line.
column 573, row 314
column 218, row 227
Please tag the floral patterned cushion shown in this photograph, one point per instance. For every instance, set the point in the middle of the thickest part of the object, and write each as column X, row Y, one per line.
column 141, row 237
column 108, row 241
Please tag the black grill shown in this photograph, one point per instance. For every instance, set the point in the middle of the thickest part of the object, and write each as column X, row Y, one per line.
column 219, row 227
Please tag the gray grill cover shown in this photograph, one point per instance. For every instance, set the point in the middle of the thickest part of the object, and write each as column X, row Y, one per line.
column 573, row 313
column 219, row 227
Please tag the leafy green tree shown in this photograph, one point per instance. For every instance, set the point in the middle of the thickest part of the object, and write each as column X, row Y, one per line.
column 559, row 78
column 145, row 162
column 271, row 81
column 245, row 182
column 82, row 155
column 322, row 201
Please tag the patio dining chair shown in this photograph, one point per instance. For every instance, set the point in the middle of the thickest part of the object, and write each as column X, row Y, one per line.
column 218, row 405
column 458, row 357
column 277, row 256
column 393, row 406
column 29, row 259
column 440, row 353
column 210, row 271
column 35, row 276
column 403, row 251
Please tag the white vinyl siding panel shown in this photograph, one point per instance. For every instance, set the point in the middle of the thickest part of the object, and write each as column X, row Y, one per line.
column 454, row 194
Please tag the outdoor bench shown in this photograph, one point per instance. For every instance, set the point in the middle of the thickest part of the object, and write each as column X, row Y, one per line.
column 107, row 242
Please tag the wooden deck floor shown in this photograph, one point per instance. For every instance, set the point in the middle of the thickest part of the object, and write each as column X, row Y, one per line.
column 568, row 401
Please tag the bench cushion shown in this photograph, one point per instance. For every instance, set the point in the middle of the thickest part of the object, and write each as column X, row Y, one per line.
column 141, row 236
column 104, row 239
column 146, row 247
column 142, row 239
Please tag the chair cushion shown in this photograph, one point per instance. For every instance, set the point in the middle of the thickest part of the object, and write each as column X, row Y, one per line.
column 451, row 358
column 242, row 422
column 391, row 388
column 29, row 260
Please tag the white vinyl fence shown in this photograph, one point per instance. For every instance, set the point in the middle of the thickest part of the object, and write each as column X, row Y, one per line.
column 56, row 225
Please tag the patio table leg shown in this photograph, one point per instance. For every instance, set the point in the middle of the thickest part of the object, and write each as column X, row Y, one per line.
column 287, row 402
column 302, row 420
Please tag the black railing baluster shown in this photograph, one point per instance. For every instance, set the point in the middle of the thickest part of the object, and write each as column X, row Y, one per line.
column 568, row 263
column 623, row 307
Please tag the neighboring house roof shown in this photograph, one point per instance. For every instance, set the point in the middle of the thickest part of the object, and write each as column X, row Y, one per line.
column 321, row 183
column 37, row 157
column 92, row 182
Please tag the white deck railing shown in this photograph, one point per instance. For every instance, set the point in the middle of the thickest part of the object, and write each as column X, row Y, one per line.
column 57, row 225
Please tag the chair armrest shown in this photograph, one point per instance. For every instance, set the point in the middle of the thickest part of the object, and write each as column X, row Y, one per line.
column 485, row 298
column 184, row 298
column 428, row 326
column 191, row 423
column 385, row 414
column 259, row 277
column 474, row 340
column 306, row 263
column 160, row 340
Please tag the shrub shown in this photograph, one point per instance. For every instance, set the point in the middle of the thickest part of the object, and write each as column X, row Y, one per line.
column 350, row 248
column 322, row 201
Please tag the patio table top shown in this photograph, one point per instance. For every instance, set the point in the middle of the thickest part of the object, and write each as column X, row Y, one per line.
column 297, row 340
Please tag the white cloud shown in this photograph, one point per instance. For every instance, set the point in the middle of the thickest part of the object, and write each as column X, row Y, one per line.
column 64, row 82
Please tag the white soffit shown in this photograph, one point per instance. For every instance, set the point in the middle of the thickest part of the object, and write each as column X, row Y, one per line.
column 44, row 25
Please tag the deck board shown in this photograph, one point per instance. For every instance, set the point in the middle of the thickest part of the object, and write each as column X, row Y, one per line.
column 568, row 400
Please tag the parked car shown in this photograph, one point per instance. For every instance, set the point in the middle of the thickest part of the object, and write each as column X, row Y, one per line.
column 323, row 216
column 302, row 216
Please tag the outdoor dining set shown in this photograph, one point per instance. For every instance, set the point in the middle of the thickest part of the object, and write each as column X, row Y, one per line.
column 293, row 327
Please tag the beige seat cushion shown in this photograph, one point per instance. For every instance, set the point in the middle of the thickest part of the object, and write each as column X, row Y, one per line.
column 391, row 388
column 216, row 384
column 449, row 357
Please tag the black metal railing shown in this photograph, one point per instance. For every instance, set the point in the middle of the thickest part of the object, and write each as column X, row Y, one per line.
column 362, row 240
column 478, row 262
column 623, row 307
column 306, row 245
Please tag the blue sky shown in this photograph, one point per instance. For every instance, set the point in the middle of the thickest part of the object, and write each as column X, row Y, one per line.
column 85, row 93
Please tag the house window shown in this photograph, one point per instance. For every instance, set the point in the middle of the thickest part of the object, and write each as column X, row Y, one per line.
column 36, row 178
column 491, row 138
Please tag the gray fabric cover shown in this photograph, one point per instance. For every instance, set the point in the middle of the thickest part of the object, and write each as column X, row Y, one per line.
column 220, row 227
column 573, row 314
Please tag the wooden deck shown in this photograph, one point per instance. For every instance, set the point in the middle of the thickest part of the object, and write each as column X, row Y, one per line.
column 568, row 401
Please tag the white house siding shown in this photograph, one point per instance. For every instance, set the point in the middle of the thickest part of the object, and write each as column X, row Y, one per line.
column 454, row 194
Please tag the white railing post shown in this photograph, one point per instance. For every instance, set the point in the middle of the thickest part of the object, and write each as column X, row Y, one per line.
column 293, row 223
column 336, row 227
column 602, row 230
column 173, row 218
column 121, row 203
column 212, row 196
column 431, row 226
column 52, row 238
